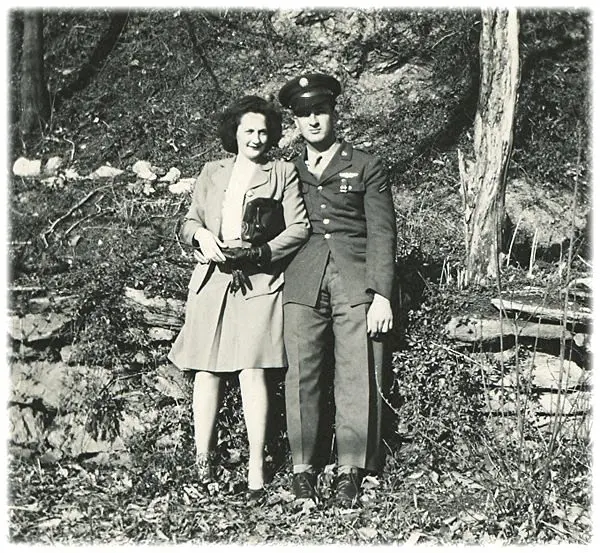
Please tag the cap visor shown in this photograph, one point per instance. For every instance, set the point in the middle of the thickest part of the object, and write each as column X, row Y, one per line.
column 302, row 103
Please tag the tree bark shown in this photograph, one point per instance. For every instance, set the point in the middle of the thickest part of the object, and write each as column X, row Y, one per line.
column 116, row 26
column 35, row 103
column 483, row 180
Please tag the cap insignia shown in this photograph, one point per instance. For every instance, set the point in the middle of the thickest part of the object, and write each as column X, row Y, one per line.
column 303, row 82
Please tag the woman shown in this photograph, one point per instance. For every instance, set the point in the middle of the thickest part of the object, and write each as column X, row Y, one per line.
column 234, row 320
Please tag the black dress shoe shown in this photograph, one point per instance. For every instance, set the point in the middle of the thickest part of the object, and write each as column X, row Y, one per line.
column 303, row 485
column 347, row 488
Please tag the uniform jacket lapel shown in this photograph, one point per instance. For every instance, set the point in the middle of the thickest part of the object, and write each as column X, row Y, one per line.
column 339, row 162
column 305, row 175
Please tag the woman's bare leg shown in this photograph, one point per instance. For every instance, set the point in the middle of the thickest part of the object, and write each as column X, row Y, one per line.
column 205, row 405
column 253, row 387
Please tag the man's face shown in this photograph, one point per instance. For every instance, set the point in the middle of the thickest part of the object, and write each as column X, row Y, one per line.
column 315, row 123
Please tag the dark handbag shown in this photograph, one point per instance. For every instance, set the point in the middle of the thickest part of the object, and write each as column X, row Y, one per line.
column 262, row 221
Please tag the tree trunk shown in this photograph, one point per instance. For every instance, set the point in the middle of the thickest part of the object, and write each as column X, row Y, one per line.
column 35, row 104
column 484, row 179
column 116, row 26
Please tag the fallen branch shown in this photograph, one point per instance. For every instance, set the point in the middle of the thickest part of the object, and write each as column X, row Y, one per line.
column 87, row 218
column 476, row 329
column 70, row 212
column 541, row 312
column 157, row 312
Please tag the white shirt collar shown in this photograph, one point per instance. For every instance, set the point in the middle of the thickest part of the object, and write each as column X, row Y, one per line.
column 312, row 155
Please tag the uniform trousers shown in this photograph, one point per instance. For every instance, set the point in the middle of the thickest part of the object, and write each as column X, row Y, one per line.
column 311, row 335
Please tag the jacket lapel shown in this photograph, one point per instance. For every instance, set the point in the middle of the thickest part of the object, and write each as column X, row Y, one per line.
column 261, row 175
column 222, row 176
column 339, row 162
column 305, row 175
column 220, row 179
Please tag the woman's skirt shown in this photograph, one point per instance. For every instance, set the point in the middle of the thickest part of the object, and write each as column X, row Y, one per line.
column 226, row 332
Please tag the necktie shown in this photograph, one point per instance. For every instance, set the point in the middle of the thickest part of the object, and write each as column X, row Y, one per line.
column 316, row 167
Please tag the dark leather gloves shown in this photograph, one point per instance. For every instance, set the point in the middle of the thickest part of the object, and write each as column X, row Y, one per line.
column 240, row 259
column 259, row 256
column 239, row 281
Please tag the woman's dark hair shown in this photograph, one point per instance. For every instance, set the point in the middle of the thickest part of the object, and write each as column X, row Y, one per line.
column 231, row 117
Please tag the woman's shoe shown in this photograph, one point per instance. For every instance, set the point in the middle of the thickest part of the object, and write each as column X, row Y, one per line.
column 254, row 496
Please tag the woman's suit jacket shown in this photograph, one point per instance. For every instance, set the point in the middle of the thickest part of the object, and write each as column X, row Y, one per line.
column 275, row 179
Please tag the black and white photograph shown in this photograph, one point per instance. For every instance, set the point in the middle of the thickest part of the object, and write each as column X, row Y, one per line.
column 299, row 276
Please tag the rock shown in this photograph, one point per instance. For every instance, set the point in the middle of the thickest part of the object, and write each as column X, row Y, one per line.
column 170, row 441
column 532, row 309
column 579, row 425
column 184, row 186
column 132, row 425
column 106, row 172
column 37, row 326
column 24, row 167
column 82, row 442
column 23, row 352
column 72, row 174
column 549, row 403
column 21, row 452
column 532, row 208
column 53, row 165
column 50, row 408
column 40, row 380
column 158, row 334
column 26, row 427
column 157, row 311
column 548, row 372
column 478, row 329
column 140, row 358
column 143, row 169
column 148, row 189
column 66, row 353
column 172, row 176
column 158, row 171
column 377, row 94
column 172, row 382
column 53, row 182
column 70, row 435
column 51, row 303
column 51, row 456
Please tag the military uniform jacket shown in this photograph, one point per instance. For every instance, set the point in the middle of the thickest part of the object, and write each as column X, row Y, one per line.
column 351, row 211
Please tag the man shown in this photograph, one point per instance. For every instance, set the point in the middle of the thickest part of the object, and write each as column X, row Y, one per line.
column 337, row 295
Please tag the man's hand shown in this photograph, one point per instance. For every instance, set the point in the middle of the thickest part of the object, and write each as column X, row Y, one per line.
column 258, row 256
column 379, row 317
column 210, row 245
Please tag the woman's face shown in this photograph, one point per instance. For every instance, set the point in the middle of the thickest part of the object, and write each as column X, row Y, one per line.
column 252, row 136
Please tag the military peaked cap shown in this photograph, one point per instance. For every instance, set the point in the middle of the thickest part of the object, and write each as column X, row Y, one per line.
column 309, row 89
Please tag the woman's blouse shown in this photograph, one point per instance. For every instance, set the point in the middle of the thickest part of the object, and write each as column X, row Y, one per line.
column 233, row 201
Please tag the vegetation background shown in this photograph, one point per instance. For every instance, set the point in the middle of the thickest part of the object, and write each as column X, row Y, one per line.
column 455, row 472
